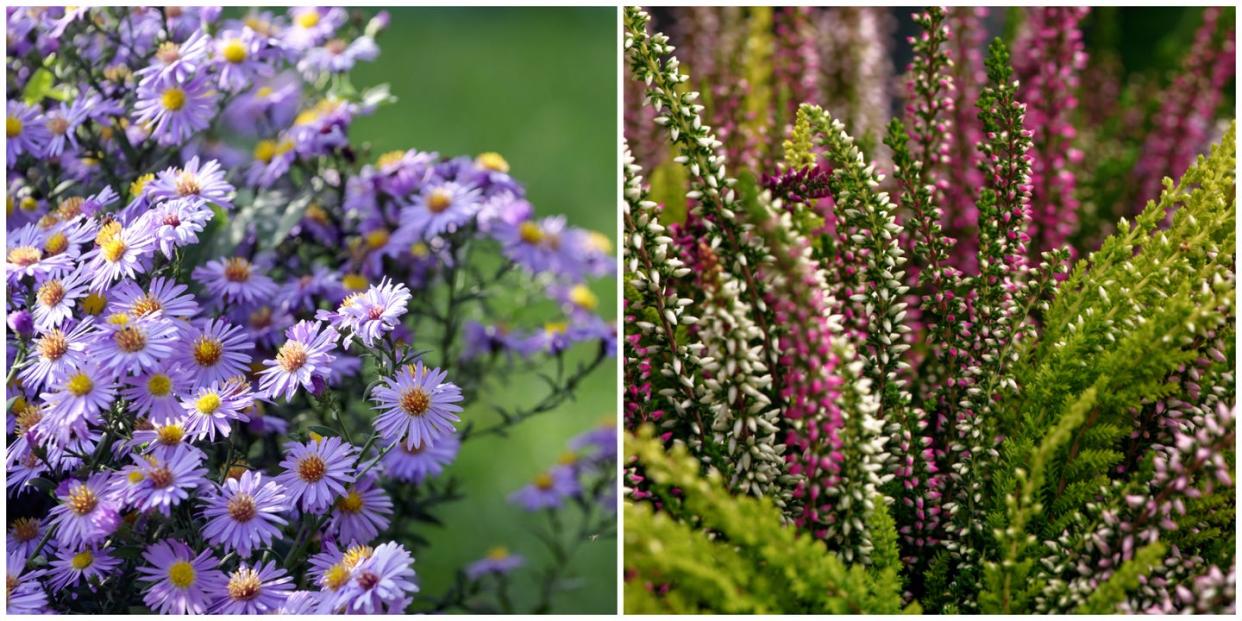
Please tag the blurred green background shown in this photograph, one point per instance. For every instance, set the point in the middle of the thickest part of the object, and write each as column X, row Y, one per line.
column 537, row 85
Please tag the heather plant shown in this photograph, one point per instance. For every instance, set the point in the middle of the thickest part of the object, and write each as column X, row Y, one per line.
column 239, row 346
column 924, row 362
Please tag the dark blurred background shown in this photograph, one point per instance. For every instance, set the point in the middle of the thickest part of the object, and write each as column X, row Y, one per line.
column 538, row 86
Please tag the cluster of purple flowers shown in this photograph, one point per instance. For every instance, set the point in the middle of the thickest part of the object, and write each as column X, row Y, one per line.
column 186, row 388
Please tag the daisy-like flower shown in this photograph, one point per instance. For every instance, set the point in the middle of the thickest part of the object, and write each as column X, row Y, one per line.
column 265, row 324
column 154, row 394
column 497, row 562
column 548, row 490
column 119, row 253
column 25, row 132
column 243, row 514
column 418, row 463
column 26, row 256
column 215, row 352
column 331, row 567
column 177, row 109
column 73, row 565
column 24, row 535
column 177, row 61
column 165, row 295
column 236, row 280
column 62, row 123
column 55, row 299
column 164, row 440
column 253, row 590
column 382, row 584
column 24, row 594
column 316, row 472
column 128, row 345
column 203, row 182
column 603, row 439
column 301, row 603
column 59, row 354
column 180, row 582
column 311, row 25
column 301, row 358
column 376, row 311
column 78, row 400
column 239, row 55
column 176, row 223
column 441, row 208
column 167, row 481
column 337, row 56
column 418, row 406
column 83, row 514
column 212, row 408
column 533, row 244
column 362, row 512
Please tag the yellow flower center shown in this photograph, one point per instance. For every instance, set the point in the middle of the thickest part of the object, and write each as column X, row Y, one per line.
column 113, row 250
column 439, row 201
column 390, row 158
column 27, row 416
column 187, row 184
column 354, row 282
column 25, row 256
column 498, row 553
column 168, row 52
column 492, row 161
column 80, row 384
column 309, row 19
column 107, row 232
column 28, row 203
column 234, row 51
column 600, row 242
column 207, row 351
column 94, row 303
column 82, row 560
column 415, row 402
column 181, row 574
column 264, row 92
column 56, row 243
column 350, row 503
column 146, row 305
column 159, row 385
column 82, row 500
column 264, row 151
column 135, row 477
column 140, row 184
column 568, row 459
column 311, row 469
column 118, row 319
column 377, row 239
column 356, row 554
column 170, row 435
column 555, row 327
column 242, row 508
column 419, row 249
column 12, row 127
column 530, row 233
column 51, row 293
column 543, row 481
column 292, row 356
column 336, row 577
column 173, row 99
column 53, row 345
column 208, row 403
column 582, row 297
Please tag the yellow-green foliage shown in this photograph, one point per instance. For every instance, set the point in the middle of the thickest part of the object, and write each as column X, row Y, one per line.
column 735, row 556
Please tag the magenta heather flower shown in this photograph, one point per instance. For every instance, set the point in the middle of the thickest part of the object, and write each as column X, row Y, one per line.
column 302, row 357
column 244, row 513
column 84, row 515
column 180, row 581
column 418, row 406
column 362, row 512
column 74, row 565
column 252, row 589
column 178, row 109
column 316, row 472
column 235, row 280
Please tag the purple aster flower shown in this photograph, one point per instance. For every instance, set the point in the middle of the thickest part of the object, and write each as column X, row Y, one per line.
column 337, row 56
column 62, row 123
column 376, row 311
column 303, row 293
column 180, row 582
column 251, row 590
column 418, row 406
column 418, row 463
column 498, row 561
column 55, row 299
column 154, row 394
column 587, row 253
column 24, row 594
column 138, row 345
column 316, row 472
column 272, row 159
column 308, row 349
column 204, row 182
column 244, row 513
column 576, row 300
column 332, row 566
column 241, row 56
column 362, row 512
column 177, row 61
column 264, row 324
column 548, row 490
column 162, row 294
column 235, row 280
column 211, row 409
column 83, row 514
column 533, row 244
column 177, row 109
column 73, row 565
column 167, row 480
column 119, row 254
column 24, row 535
column 311, row 25
column 383, row 583
column 59, row 354
column 25, row 132
column 602, row 439
column 215, row 352
column 26, row 256
column 441, row 208
column 301, row 603
column 176, row 223
column 164, row 440
column 78, row 399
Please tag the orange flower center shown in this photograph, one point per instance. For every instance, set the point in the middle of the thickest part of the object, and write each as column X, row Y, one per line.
column 237, row 269
column 292, row 356
column 415, row 402
column 312, row 468
column 130, row 339
column 51, row 293
column 242, row 508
